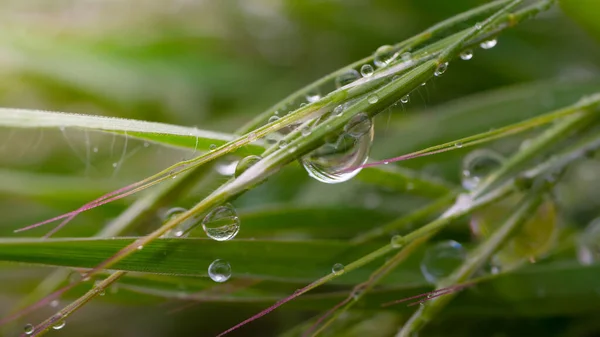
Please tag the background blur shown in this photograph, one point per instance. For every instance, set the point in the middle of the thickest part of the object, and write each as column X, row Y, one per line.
column 215, row 65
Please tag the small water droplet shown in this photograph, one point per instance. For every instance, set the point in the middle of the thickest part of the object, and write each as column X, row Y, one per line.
column 397, row 241
column 458, row 145
column 372, row 99
column 305, row 131
column 466, row 55
column 140, row 247
column 59, row 325
column 146, row 144
column 441, row 260
column 227, row 168
column 54, row 303
column 338, row 110
column 222, row 223
column 588, row 244
column 283, row 144
column 212, row 147
column 405, row 99
column 337, row 269
column 478, row 25
column 313, row 96
column 245, row 164
column 346, row 78
column 29, row 329
column 477, row 165
column 366, row 70
column 95, row 149
column 489, row 44
column 114, row 165
column 384, row 55
column 219, row 271
column 406, row 56
column 441, row 69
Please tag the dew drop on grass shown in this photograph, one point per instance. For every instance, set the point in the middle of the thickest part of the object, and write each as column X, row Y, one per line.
column 372, row 99
column 222, row 223
column 397, row 241
column 219, row 271
column 441, row 260
column 140, row 247
column 114, row 165
column 466, row 55
column 337, row 160
column 313, row 96
column 405, row 99
column 182, row 230
column 227, row 168
column 384, row 55
column 29, row 329
column 588, row 244
column 283, row 144
column 441, row 69
column 305, row 131
column 245, row 164
column 346, row 78
column 366, row 70
column 212, row 147
column 54, row 303
column 458, row 145
column 489, row 44
column 273, row 137
column 477, row 165
column 338, row 110
column 95, row 149
column 337, row 269
column 59, row 325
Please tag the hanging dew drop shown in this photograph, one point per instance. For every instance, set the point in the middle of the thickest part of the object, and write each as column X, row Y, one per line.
column 588, row 244
column 338, row 160
column 384, row 55
column 372, row 99
column 346, row 78
column 477, row 165
column 219, row 271
column 222, row 223
column 245, row 164
column 59, row 325
column 489, row 44
column 441, row 69
column 441, row 260
column 337, row 269
column 405, row 99
column 466, row 55
column 29, row 329
column 366, row 70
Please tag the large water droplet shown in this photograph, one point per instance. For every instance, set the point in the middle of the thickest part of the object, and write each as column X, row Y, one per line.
column 219, row 271
column 59, row 325
column 346, row 78
column 245, row 164
column 384, row 55
column 441, row 69
column 477, row 165
column 222, row 223
column 29, row 329
column 337, row 161
column 338, row 269
column 588, row 245
column 489, row 44
column 441, row 260
column 366, row 70
column 466, row 55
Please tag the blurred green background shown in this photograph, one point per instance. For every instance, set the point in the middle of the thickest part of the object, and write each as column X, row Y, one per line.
column 215, row 65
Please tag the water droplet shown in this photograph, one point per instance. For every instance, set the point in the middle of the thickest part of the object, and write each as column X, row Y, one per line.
column 283, row 144
column 477, row 165
column 245, row 164
column 405, row 99
column 441, row 69
column 227, row 168
column 489, row 44
column 372, row 99
column 384, row 55
column 306, row 130
column 146, row 144
column 212, row 147
column 251, row 136
column 219, row 271
column 359, row 125
column 114, row 165
column 346, row 78
column 338, row 110
column 478, row 25
column 337, row 161
column 366, row 70
column 140, row 247
column 397, row 241
column 458, row 145
column 59, row 325
column 222, row 223
column 313, row 96
column 406, row 56
column 588, row 244
column 54, row 303
column 95, row 149
column 29, row 329
column 337, row 269
column 183, row 229
column 466, row 55
column 441, row 260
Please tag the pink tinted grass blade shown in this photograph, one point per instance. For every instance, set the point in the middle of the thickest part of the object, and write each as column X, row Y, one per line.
column 429, row 295
column 41, row 303
column 321, row 319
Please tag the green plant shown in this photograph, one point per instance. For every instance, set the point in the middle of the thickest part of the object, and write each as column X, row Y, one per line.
column 323, row 135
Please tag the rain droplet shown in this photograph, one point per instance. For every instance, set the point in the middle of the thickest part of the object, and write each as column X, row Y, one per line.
column 95, row 149
column 466, row 55
column 212, row 147
column 59, row 325
column 346, row 78
column 458, row 145
column 29, row 329
column 219, row 271
column 222, row 223
column 477, row 165
column 245, row 164
column 338, row 161
column 313, row 96
column 384, row 55
column 588, row 244
column 405, row 99
column 489, row 44
column 372, row 99
column 441, row 69
column 338, row 110
column 337, row 269
column 441, row 260
column 366, row 70
column 397, row 241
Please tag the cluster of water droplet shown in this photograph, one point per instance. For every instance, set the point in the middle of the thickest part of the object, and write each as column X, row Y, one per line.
column 441, row 259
